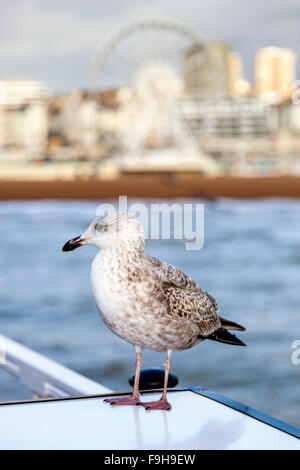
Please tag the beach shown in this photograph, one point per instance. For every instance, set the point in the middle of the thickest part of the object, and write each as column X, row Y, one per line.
column 152, row 186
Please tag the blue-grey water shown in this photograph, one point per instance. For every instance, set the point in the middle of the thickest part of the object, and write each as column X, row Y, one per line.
column 250, row 262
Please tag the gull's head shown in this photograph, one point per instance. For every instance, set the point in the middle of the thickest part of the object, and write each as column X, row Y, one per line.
column 110, row 231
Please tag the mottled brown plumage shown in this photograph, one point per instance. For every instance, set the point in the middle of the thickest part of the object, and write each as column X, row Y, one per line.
column 185, row 299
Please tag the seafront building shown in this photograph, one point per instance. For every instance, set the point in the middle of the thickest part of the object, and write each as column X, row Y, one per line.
column 228, row 117
column 237, row 84
column 274, row 73
column 23, row 117
column 206, row 70
column 73, row 120
column 214, row 71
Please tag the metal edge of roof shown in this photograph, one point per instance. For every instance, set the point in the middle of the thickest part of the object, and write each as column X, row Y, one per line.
column 247, row 410
column 235, row 405
column 31, row 401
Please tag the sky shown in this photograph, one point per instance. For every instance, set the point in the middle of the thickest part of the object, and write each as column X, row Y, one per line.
column 55, row 40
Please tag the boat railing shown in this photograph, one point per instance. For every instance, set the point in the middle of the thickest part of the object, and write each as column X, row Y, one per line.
column 44, row 377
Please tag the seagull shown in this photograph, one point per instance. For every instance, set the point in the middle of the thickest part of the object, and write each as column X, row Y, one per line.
column 147, row 302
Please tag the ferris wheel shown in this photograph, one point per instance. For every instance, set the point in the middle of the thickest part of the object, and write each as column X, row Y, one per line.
column 145, row 62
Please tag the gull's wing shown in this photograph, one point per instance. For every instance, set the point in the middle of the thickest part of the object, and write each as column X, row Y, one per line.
column 185, row 298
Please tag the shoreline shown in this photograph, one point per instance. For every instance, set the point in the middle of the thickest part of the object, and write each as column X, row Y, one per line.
column 154, row 186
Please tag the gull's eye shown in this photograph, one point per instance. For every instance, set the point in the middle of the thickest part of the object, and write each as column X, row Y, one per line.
column 101, row 227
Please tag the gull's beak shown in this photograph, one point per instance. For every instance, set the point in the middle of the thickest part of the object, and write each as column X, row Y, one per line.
column 74, row 243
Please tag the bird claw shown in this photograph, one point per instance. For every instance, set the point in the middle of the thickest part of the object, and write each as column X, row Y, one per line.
column 118, row 401
column 157, row 405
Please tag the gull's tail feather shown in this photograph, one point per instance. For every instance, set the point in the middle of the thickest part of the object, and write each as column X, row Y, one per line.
column 223, row 336
column 231, row 325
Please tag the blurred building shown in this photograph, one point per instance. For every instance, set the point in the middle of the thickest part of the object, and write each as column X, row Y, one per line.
column 23, row 116
column 229, row 117
column 81, row 124
column 293, row 118
column 73, row 120
column 206, row 70
column 274, row 73
column 237, row 85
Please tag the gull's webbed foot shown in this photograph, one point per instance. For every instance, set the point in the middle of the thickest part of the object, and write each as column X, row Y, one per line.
column 118, row 401
column 161, row 404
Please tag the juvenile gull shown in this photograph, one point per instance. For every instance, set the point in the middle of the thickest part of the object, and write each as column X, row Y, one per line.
column 145, row 301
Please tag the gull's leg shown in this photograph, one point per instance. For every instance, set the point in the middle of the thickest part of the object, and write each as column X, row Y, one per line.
column 139, row 362
column 162, row 403
column 135, row 397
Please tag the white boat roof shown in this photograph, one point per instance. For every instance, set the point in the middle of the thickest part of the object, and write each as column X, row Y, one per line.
column 199, row 419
